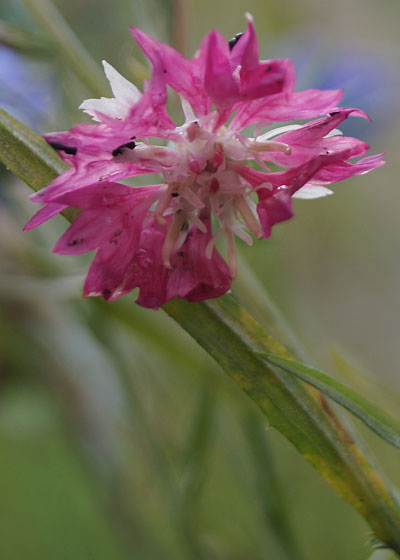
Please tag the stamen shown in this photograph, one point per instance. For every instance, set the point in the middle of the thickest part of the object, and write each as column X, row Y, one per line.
column 162, row 205
column 243, row 235
column 187, row 109
column 194, row 165
column 277, row 131
column 198, row 223
column 192, row 198
column 260, row 147
column 172, row 235
column 231, row 252
column 218, row 156
column 192, row 130
column 212, row 242
column 248, row 216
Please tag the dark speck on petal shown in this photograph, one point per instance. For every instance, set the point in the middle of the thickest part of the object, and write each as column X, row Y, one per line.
column 232, row 42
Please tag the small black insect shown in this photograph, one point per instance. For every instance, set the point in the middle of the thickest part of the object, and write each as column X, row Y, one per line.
column 232, row 42
column 62, row 147
column 118, row 151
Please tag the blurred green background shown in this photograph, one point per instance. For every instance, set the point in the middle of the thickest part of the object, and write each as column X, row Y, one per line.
column 119, row 437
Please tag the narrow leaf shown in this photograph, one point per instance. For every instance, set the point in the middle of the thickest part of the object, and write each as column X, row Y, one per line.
column 27, row 155
column 373, row 416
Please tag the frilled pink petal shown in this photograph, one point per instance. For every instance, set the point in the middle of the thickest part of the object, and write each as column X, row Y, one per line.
column 273, row 210
column 193, row 276
column 88, row 142
column 89, row 172
column 219, row 82
column 147, row 271
column 295, row 177
column 310, row 140
column 262, row 78
column 239, row 47
column 276, row 205
column 84, row 140
column 314, row 131
column 44, row 214
column 250, row 53
column 112, row 220
column 341, row 170
column 108, row 269
column 107, row 195
column 267, row 78
column 178, row 72
column 299, row 105
column 89, row 231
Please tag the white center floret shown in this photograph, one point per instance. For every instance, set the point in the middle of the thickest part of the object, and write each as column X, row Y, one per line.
column 198, row 172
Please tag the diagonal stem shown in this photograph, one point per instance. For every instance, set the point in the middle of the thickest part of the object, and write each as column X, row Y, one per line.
column 231, row 336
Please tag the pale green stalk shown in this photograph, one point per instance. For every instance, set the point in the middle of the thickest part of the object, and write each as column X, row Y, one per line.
column 233, row 338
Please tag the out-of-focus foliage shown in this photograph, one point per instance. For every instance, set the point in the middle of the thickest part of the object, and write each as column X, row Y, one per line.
column 119, row 437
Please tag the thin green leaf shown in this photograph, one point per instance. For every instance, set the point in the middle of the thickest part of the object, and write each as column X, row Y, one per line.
column 374, row 417
column 229, row 334
column 27, row 155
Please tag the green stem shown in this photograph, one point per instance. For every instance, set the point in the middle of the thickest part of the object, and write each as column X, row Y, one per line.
column 250, row 293
column 232, row 336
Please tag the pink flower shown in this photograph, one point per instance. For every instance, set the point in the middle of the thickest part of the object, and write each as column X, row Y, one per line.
column 217, row 182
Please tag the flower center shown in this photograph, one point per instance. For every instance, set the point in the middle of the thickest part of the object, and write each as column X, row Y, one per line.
column 199, row 173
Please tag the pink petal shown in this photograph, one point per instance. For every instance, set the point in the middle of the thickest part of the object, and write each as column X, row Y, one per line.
column 90, row 230
column 299, row 105
column 273, row 210
column 44, row 214
column 219, row 83
column 105, row 195
column 193, row 276
column 182, row 75
column 108, row 269
column 267, row 78
column 147, row 270
column 97, row 171
column 345, row 169
column 309, row 140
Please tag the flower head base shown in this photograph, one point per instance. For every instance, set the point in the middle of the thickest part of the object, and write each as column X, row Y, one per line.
column 216, row 181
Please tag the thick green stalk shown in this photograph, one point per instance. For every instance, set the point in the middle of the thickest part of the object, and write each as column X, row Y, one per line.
column 227, row 332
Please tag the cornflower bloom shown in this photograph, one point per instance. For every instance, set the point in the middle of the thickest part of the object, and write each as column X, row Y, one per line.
column 217, row 182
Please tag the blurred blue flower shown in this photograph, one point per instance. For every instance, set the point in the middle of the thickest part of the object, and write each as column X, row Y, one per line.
column 370, row 80
column 28, row 90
